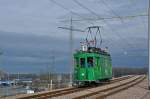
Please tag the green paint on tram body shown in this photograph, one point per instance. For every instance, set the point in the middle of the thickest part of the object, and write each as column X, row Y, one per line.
column 92, row 66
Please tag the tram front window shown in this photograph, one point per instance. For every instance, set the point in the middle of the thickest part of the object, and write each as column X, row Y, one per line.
column 90, row 62
column 82, row 62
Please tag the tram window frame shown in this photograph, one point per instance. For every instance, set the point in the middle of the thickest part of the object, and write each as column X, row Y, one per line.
column 82, row 62
column 90, row 59
column 97, row 61
column 76, row 62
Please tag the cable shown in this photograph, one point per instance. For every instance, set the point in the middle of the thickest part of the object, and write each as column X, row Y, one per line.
column 110, row 18
column 89, row 33
column 60, row 5
column 111, row 42
column 144, row 25
column 103, row 1
column 105, row 23
column 77, row 2
column 100, row 36
column 98, row 18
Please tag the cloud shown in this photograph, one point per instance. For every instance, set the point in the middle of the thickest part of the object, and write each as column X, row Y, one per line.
column 29, row 35
column 24, row 49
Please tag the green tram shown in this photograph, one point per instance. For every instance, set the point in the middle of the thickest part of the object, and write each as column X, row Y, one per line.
column 92, row 64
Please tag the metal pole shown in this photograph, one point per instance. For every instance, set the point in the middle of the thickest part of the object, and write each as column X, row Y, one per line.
column 51, row 85
column 71, row 51
column 52, row 69
column 53, row 62
column 71, row 47
column 0, row 60
column 149, row 46
column 48, row 75
column 18, row 78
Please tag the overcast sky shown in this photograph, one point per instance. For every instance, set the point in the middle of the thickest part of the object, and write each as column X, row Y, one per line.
column 29, row 33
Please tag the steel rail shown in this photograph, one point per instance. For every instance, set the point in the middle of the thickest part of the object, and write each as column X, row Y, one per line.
column 102, row 93
column 65, row 91
column 111, row 92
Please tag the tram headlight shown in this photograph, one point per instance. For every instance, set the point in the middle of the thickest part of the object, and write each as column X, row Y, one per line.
column 82, row 74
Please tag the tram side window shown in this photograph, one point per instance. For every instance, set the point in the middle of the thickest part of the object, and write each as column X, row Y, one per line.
column 76, row 62
column 82, row 62
column 90, row 62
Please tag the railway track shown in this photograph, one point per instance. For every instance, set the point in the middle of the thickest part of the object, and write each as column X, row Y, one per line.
column 66, row 91
column 104, row 91
column 60, row 92
column 119, row 88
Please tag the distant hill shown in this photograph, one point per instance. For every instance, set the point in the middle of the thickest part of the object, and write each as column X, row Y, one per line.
column 119, row 71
